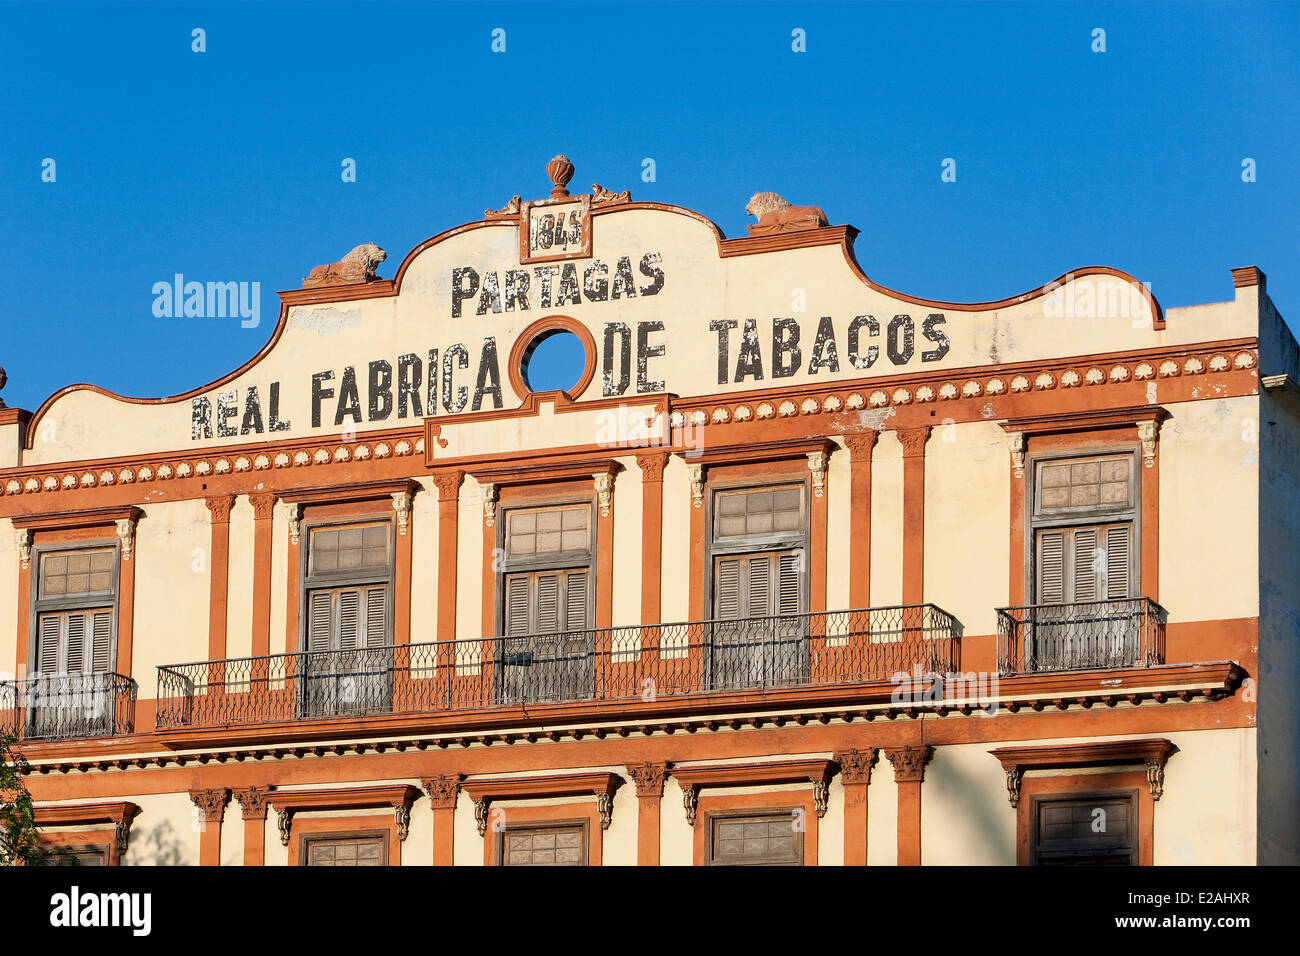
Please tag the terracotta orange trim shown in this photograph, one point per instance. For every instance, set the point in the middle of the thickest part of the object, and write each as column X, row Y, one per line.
column 1247, row 276
column 909, row 773
column 448, row 485
column 529, row 474
column 210, row 812
column 1017, row 523
column 292, row 595
column 66, row 520
column 855, row 776
column 443, row 791
column 699, row 563
column 86, row 814
column 914, row 440
column 97, row 839
column 652, row 529
column 817, row 533
column 1149, row 566
column 504, row 818
column 1085, row 421
column 1086, row 783
column 605, row 562
column 125, row 613
column 1099, row 754
column 718, row 804
column 263, row 510
column 252, row 801
column 488, row 621
column 532, row 336
column 860, row 446
column 649, row 780
column 487, row 790
column 343, row 492
column 25, row 575
column 300, row 828
column 779, row 450
column 345, row 798
column 219, row 574
column 816, row 770
column 14, row 416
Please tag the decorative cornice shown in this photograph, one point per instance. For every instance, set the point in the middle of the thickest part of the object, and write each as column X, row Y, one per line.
column 443, row 790
column 120, row 814
column 286, row 803
column 69, row 520
column 546, row 471
column 602, row 785
column 909, row 762
column 649, row 778
column 817, row 771
column 855, row 765
column 253, row 802
column 1152, row 753
column 212, row 803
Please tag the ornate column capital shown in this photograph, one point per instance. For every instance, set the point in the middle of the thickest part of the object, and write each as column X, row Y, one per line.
column 295, row 522
column 448, row 484
column 855, row 765
column 649, row 778
column 263, row 505
column 126, row 534
column 1016, row 445
column 909, row 762
column 252, row 801
column 860, row 444
column 220, row 506
column 402, row 505
column 212, row 803
column 696, row 472
column 489, row 491
column 817, row 465
column 1148, row 431
column 652, row 466
column 913, row 441
column 604, row 482
column 443, row 790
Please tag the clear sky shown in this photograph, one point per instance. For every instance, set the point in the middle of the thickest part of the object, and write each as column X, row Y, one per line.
column 226, row 165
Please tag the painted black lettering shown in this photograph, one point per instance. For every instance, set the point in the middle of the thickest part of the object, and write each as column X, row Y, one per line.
column 409, row 375
column 201, row 419
column 609, row 384
column 458, row 355
column 750, row 360
column 650, row 269
column 490, row 298
column 464, row 285
column 786, row 354
column 381, row 390
column 516, row 289
column 349, row 398
column 489, row 376
column 273, row 411
column 930, row 329
column 900, row 340
column 856, row 358
column 568, row 291
column 624, row 284
column 824, row 353
column 723, row 327
column 644, row 352
column 318, row 394
column 594, row 283
column 252, row 420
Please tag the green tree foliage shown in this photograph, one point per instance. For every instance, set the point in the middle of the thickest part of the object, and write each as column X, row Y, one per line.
column 19, row 845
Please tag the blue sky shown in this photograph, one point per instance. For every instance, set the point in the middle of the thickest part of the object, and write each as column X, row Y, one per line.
column 225, row 165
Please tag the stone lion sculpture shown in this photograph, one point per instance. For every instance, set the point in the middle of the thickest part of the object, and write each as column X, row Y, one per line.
column 775, row 214
column 357, row 266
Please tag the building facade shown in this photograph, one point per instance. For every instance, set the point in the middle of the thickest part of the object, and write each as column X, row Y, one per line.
column 800, row 570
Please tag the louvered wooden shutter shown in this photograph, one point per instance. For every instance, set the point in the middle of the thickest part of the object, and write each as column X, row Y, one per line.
column 320, row 621
column 349, row 625
column 548, row 603
column 787, row 592
column 1086, row 566
column 1118, row 546
column 760, row 586
column 101, row 641
column 376, row 616
column 517, row 604
column 76, row 659
column 575, row 601
column 1051, row 568
column 726, row 597
column 49, row 636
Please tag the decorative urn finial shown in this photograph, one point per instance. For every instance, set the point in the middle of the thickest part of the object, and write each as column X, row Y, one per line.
column 561, row 171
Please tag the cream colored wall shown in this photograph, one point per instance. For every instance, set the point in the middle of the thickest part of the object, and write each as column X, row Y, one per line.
column 676, row 838
column 1209, row 508
column 627, row 544
column 830, row 828
column 424, row 564
column 887, row 521
column 171, row 599
column 8, row 600
column 232, row 836
column 469, row 562
column 675, row 596
column 165, row 832
column 417, row 848
column 467, row 845
column 1205, row 817
column 967, row 510
column 280, row 579
column 882, row 815
column 239, row 598
column 839, row 542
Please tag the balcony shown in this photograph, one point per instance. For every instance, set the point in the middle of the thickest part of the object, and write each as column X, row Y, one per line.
column 1093, row 635
column 608, row 664
column 67, row 706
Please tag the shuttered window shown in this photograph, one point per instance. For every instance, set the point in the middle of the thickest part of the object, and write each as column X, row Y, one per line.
column 1085, row 564
column 757, row 585
column 1083, row 530
column 769, row 839
column 76, row 607
column 1085, row 830
column 543, row 602
column 347, row 588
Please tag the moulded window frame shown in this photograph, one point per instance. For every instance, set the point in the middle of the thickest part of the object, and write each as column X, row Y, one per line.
column 715, row 548
column 558, row 561
column 499, row 854
column 1079, row 518
column 306, row 839
column 1130, row 794
column 38, row 605
column 332, row 580
column 711, row 817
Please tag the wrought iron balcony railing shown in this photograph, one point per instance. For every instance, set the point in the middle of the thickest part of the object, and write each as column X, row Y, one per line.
column 67, row 706
column 1085, row 636
column 621, row 663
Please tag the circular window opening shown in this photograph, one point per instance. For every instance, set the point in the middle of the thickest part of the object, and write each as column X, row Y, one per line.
column 554, row 361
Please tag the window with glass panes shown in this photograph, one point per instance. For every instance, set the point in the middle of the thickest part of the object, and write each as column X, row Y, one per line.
column 546, row 580
column 758, row 550
column 76, row 610
column 1083, row 519
column 767, row 839
column 348, row 580
column 554, row 845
